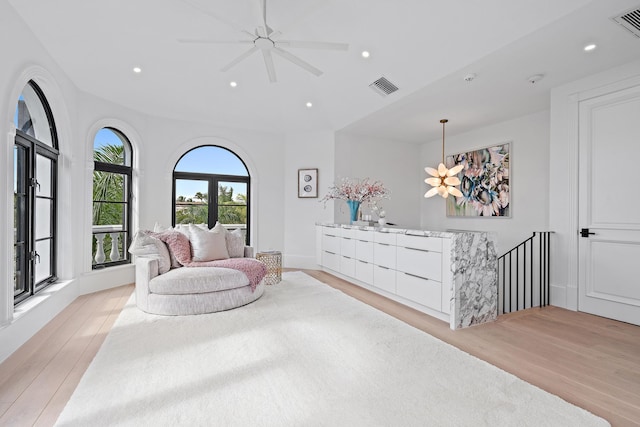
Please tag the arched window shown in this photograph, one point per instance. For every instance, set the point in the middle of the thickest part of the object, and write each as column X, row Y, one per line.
column 111, row 198
column 35, row 157
column 210, row 184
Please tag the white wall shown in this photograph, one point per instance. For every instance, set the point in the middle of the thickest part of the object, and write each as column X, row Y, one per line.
column 305, row 151
column 158, row 144
column 165, row 141
column 23, row 59
column 563, row 193
column 529, row 175
column 395, row 163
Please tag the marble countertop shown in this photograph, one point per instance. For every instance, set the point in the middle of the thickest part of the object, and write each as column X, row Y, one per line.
column 399, row 230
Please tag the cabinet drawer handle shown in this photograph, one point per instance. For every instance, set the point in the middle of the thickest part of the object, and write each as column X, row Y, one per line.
column 416, row 249
column 384, row 268
column 384, row 244
column 347, row 257
column 364, row 241
column 416, row 276
column 364, row 262
column 329, row 252
column 347, row 238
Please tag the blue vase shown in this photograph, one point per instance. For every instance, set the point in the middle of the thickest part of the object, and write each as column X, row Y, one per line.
column 354, row 205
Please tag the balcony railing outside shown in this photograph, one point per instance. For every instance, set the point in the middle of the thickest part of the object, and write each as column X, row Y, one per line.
column 108, row 241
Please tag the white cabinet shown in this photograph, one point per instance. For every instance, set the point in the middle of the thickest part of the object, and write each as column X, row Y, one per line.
column 423, row 291
column 415, row 268
column 402, row 265
column 364, row 251
column 331, row 260
column 331, row 243
column 384, row 278
column 347, row 266
column 364, row 271
column 418, row 262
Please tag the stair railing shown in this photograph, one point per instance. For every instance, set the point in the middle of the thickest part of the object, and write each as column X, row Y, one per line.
column 523, row 274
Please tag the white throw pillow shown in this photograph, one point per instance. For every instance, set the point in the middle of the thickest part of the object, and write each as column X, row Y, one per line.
column 208, row 245
column 235, row 243
column 144, row 244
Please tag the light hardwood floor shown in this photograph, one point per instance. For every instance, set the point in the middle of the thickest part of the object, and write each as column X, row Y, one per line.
column 589, row 361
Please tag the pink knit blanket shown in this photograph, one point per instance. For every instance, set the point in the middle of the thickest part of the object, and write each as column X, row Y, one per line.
column 252, row 268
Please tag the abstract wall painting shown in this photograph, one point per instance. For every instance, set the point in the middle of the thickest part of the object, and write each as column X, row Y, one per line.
column 485, row 183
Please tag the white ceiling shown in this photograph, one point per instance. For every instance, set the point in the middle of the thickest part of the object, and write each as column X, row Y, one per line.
column 425, row 47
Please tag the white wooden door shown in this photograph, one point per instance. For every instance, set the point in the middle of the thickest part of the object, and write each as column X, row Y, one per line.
column 609, row 192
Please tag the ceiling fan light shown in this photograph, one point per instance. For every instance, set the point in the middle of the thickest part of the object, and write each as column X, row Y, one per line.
column 435, row 182
column 442, row 170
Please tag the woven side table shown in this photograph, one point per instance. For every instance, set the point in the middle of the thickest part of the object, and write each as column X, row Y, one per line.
column 273, row 261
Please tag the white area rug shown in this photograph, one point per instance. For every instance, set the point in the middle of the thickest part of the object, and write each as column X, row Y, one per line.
column 304, row 354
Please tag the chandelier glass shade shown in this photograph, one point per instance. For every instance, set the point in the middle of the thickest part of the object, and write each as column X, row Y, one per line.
column 443, row 180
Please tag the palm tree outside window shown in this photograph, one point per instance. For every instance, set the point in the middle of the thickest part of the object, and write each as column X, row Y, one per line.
column 111, row 211
column 212, row 184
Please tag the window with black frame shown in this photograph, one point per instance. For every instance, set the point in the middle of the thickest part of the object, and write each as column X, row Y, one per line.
column 35, row 157
column 111, row 213
column 212, row 184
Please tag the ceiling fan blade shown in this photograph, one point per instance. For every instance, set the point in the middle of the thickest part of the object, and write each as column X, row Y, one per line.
column 212, row 41
column 238, row 59
column 261, row 32
column 268, row 62
column 299, row 62
column 229, row 22
column 313, row 45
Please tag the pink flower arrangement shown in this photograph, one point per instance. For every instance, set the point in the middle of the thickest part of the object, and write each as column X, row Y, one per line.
column 358, row 190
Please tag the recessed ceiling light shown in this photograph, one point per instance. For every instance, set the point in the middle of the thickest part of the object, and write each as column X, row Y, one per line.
column 309, row 104
column 590, row 47
column 233, row 84
column 137, row 70
column 365, row 54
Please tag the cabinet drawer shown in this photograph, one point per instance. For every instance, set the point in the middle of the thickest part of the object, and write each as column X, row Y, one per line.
column 384, row 255
column 387, row 238
column 364, row 251
column 348, row 232
column 364, row 272
column 423, row 291
column 331, row 243
column 419, row 242
column 331, row 260
column 420, row 263
column 384, row 278
column 348, row 266
column 331, row 231
column 347, row 247
column 363, row 235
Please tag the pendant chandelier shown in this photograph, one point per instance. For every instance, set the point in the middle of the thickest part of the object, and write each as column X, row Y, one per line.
column 443, row 180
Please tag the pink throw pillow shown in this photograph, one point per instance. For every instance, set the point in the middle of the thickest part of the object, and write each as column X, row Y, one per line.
column 179, row 246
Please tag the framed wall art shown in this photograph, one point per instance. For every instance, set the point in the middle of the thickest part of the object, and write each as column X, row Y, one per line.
column 307, row 183
column 485, row 183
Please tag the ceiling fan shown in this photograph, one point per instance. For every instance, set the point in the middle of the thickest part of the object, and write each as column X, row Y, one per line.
column 267, row 41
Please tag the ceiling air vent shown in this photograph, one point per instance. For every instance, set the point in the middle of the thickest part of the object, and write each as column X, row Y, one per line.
column 630, row 21
column 383, row 86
